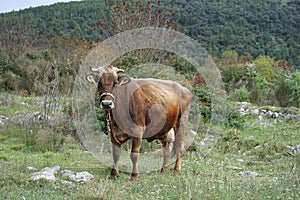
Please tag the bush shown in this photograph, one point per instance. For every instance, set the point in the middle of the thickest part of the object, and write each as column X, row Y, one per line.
column 258, row 87
column 18, row 147
column 4, row 157
column 203, row 96
column 233, row 117
column 282, row 91
column 230, row 57
column 263, row 65
column 293, row 83
column 47, row 140
column 240, row 95
column 126, row 62
column 233, row 77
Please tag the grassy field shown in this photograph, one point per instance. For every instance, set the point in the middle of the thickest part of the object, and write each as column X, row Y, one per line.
column 256, row 148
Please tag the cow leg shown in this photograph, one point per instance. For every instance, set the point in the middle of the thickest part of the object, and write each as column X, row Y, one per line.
column 167, row 154
column 134, row 156
column 179, row 149
column 116, row 153
column 180, row 138
column 168, row 146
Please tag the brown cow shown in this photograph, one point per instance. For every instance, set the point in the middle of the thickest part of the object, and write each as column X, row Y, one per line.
column 139, row 109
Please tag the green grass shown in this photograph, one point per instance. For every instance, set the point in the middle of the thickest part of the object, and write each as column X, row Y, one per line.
column 216, row 176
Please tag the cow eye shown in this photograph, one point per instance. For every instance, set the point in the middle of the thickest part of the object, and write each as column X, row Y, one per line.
column 116, row 82
column 99, row 82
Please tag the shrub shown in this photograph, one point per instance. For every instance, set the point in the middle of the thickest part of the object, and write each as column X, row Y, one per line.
column 233, row 117
column 127, row 62
column 282, row 91
column 263, row 65
column 3, row 157
column 293, row 83
column 49, row 154
column 230, row 57
column 258, row 86
column 240, row 95
column 203, row 96
column 18, row 147
column 233, row 76
column 47, row 140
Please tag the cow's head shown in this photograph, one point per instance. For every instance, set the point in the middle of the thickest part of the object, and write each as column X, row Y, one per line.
column 107, row 78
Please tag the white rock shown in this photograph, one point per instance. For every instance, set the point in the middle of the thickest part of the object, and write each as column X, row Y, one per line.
column 31, row 168
column 3, row 119
column 248, row 173
column 234, row 167
column 294, row 149
column 202, row 144
column 254, row 112
column 67, row 172
column 65, row 182
column 82, row 177
column 49, row 177
column 47, row 173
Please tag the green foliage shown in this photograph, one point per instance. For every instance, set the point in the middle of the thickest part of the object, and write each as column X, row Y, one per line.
column 3, row 157
column 264, row 150
column 47, row 140
column 251, row 27
column 233, row 117
column 259, row 87
column 240, row 94
column 233, row 77
column 100, row 114
column 3, row 137
column 247, row 27
column 49, row 154
column 203, row 96
column 293, row 83
column 214, row 175
column 182, row 66
column 230, row 57
column 282, row 91
column 126, row 62
column 43, row 44
column 18, row 147
column 263, row 65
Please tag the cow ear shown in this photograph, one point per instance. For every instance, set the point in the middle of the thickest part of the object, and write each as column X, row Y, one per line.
column 92, row 78
column 123, row 80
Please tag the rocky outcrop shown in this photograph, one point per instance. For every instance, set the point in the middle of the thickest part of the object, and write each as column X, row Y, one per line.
column 50, row 174
column 246, row 108
column 294, row 150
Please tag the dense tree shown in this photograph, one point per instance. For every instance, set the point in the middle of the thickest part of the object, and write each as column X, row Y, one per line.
column 43, row 44
column 269, row 27
column 263, row 65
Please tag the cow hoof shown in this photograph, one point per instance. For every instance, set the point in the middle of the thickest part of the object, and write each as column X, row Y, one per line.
column 176, row 170
column 114, row 174
column 134, row 176
column 113, row 177
column 163, row 169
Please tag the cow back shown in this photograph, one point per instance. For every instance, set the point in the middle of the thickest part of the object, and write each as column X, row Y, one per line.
column 147, row 108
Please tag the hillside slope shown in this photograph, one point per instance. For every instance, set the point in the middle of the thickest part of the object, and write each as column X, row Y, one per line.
column 255, row 27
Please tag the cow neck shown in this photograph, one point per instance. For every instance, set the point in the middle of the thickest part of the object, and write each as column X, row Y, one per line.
column 109, row 125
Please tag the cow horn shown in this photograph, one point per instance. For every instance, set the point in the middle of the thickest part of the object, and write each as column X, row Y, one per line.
column 94, row 69
column 120, row 70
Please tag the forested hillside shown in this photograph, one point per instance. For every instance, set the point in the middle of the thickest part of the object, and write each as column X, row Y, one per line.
column 255, row 43
column 269, row 27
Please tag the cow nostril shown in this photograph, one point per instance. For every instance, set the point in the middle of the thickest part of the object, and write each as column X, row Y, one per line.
column 107, row 104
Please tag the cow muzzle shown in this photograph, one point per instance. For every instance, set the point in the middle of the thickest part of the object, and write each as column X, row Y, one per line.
column 108, row 102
